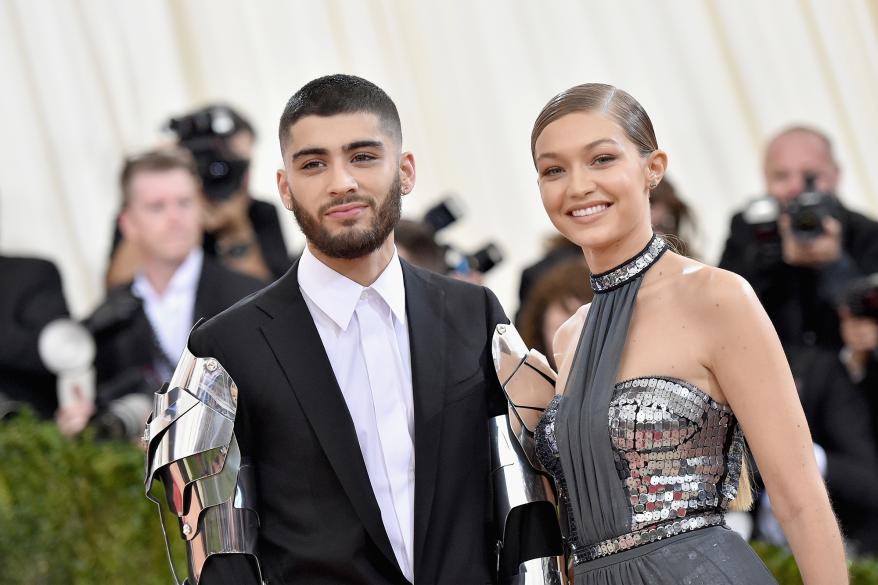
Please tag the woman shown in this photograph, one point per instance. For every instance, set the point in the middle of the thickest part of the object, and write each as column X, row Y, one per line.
column 657, row 373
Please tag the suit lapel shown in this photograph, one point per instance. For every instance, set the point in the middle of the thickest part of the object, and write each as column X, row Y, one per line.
column 425, row 309
column 296, row 344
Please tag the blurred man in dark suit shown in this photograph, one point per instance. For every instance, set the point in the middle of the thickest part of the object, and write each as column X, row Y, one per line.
column 30, row 298
column 142, row 327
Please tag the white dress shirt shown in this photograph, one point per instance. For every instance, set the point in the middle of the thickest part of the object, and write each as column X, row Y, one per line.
column 171, row 314
column 365, row 334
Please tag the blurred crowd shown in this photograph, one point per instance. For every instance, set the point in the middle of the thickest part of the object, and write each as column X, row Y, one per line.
column 190, row 240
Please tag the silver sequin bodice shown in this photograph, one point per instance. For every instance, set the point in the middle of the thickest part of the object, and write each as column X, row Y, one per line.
column 677, row 453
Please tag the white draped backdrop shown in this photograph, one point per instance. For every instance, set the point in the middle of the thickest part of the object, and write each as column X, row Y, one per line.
column 85, row 82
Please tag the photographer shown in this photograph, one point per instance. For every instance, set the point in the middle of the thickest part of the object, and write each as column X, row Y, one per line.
column 242, row 232
column 858, row 314
column 799, row 247
column 141, row 328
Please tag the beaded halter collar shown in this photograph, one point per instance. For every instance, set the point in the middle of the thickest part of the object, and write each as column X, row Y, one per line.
column 630, row 269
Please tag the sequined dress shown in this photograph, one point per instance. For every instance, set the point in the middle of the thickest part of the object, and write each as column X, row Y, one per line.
column 646, row 467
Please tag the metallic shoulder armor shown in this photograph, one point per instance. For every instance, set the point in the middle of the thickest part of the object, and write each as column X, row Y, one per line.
column 529, row 542
column 191, row 449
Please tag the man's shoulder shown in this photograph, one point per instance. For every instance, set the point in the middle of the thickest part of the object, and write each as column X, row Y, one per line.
column 452, row 286
column 861, row 239
column 861, row 224
column 467, row 301
column 22, row 267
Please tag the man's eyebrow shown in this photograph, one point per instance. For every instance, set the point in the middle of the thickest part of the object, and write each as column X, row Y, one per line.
column 588, row 146
column 310, row 151
column 356, row 145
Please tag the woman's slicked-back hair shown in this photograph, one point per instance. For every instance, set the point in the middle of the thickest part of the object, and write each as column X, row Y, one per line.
column 599, row 97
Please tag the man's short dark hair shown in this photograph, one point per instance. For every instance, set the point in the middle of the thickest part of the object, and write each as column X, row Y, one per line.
column 156, row 161
column 340, row 94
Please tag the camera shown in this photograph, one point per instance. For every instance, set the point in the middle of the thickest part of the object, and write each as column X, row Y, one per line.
column 445, row 213
column 204, row 133
column 809, row 209
column 861, row 297
column 761, row 215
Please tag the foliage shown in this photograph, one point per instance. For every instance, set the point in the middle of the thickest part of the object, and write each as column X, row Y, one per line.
column 74, row 513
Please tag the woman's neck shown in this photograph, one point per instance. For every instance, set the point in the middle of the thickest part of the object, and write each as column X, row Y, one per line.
column 616, row 253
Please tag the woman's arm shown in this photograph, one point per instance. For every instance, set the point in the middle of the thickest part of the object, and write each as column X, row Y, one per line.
column 745, row 356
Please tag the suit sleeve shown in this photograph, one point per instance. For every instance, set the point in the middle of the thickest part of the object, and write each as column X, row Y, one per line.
column 226, row 569
column 848, row 439
column 39, row 302
column 494, row 316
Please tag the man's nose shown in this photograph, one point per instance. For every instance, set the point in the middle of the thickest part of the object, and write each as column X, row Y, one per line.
column 342, row 182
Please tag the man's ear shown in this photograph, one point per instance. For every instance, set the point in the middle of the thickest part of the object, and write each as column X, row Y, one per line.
column 283, row 189
column 407, row 173
column 126, row 226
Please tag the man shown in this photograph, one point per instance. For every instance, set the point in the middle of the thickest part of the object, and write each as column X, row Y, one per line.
column 30, row 298
column 241, row 232
column 799, row 285
column 364, row 384
column 142, row 327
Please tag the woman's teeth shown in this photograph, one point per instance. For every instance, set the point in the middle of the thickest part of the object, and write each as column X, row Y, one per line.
column 589, row 210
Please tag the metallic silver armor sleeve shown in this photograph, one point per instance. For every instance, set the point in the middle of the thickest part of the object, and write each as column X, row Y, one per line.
column 192, row 451
column 521, row 486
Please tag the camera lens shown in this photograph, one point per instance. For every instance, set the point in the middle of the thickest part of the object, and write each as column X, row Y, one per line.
column 218, row 169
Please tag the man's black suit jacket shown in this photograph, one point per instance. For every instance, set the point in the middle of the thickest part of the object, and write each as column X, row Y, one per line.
column 840, row 422
column 30, row 298
column 127, row 350
column 319, row 520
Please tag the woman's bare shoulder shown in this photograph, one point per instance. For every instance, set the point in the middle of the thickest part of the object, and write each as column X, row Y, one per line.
column 702, row 286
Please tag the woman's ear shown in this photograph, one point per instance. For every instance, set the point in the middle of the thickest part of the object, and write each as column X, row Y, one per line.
column 656, row 164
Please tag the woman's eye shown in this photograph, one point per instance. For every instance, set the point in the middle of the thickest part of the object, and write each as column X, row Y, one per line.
column 603, row 159
column 551, row 171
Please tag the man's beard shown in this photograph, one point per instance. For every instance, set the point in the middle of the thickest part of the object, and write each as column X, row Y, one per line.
column 352, row 243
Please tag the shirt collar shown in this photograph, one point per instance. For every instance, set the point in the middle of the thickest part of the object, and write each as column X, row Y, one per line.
column 185, row 278
column 337, row 295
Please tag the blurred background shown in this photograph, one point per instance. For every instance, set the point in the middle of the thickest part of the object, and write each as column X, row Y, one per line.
column 88, row 82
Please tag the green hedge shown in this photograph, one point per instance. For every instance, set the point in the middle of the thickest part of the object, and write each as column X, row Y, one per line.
column 74, row 513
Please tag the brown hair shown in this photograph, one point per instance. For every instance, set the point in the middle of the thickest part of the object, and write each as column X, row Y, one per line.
column 590, row 97
column 566, row 280
column 155, row 161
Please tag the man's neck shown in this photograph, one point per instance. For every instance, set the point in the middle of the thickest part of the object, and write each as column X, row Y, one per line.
column 159, row 273
column 364, row 270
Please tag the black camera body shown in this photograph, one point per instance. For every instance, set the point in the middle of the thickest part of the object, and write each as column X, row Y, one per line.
column 861, row 297
column 445, row 213
column 204, row 134
column 808, row 211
